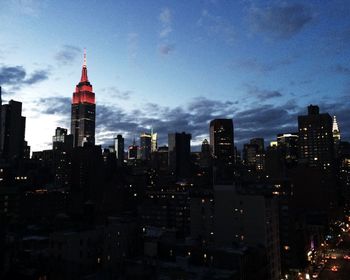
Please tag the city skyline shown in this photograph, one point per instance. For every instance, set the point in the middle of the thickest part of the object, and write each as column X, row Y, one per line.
column 248, row 61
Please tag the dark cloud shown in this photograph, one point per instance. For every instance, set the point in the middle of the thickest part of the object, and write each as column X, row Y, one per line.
column 256, row 120
column 252, row 64
column 263, row 94
column 340, row 69
column 279, row 21
column 55, row 106
column 12, row 75
column 16, row 76
column 37, row 77
column 117, row 93
column 166, row 49
column 67, row 54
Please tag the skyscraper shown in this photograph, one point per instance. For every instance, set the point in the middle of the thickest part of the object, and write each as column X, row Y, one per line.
column 179, row 154
column 221, row 139
column 336, row 131
column 61, row 139
column 12, row 131
column 288, row 145
column 133, row 150
column 83, row 111
column 119, row 148
column 222, row 148
column 316, row 138
column 62, row 145
column 154, row 141
column 145, row 146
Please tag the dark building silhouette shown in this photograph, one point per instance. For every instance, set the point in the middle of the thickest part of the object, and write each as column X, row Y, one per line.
column 145, row 146
column 62, row 139
column 179, row 154
column 260, row 143
column 316, row 138
column 222, row 148
column 12, row 131
column 119, row 148
column 133, row 150
column 62, row 145
column 288, row 143
column 254, row 154
column 83, row 111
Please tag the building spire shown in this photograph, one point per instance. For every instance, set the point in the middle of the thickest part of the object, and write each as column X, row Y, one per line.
column 84, row 76
column 84, row 64
column 335, row 128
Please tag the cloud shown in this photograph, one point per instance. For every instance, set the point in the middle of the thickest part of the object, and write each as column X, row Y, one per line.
column 166, row 49
column 255, row 120
column 16, row 76
column 54, row 106
column 165, row 18
column 132, row 45
column 67, row 54
column 279, row 21
column 117, row 93
column 217, row 26
column 340, row 69
column 263, row 94
column 253, row 64
column 27, row 7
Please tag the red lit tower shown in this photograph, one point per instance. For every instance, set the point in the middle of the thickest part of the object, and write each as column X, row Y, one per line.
column 83, row 111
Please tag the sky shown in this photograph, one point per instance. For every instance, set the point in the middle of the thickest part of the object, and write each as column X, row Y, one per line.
column 176, row 65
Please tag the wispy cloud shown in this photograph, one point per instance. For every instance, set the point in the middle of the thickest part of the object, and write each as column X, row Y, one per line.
column 253, row 64
column 27, row 7
column 165, row 18
column 67, row 54
column 132, row 45
column 279, row 21
column 263, row 94
column 117, row 93
column 217, row 26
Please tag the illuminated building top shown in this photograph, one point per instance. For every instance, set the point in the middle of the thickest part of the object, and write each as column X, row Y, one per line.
column 83, row 91
column 335, row 129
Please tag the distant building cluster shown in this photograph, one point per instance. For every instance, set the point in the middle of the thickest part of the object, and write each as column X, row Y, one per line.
column 145, row 211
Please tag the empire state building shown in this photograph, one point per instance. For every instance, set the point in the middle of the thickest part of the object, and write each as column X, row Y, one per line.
column 83, row 111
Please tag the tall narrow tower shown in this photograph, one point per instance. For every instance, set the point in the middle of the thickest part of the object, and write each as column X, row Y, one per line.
column 83, row 111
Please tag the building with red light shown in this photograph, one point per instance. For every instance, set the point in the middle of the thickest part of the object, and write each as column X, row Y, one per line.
column 83, row 111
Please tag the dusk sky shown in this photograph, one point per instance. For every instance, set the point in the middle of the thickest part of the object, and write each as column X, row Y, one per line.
column 176, row 65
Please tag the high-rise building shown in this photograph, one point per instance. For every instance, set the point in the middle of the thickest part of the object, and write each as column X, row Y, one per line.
column 260, row 143
column 251, row 219
column 221, row 139
column 133, row 150
column 336, row 131
column 83, row 111
column 145, row 146
column 287, row 143
column 62, row 144
column 154, row 140
column 254, row 154
column 222, row 148
column 12, row 131
column 62, row 139
column 316, row 138
column 179, row 154
column 119, row 148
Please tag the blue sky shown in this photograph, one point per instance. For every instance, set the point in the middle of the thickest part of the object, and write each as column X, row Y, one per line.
column 175, row 65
